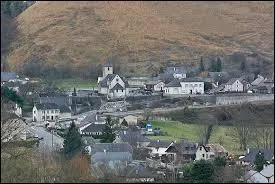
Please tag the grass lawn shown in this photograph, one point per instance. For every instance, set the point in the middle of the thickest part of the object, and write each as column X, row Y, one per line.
column 176, row 130
column 77, row 83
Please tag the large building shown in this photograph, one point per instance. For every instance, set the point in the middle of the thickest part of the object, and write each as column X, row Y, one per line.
column 111, row 84
column 184, row 86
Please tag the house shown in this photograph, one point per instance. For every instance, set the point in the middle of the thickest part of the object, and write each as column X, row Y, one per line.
column 185, row 151
column 111, row 154
column 154, row 85
column 184, row 86
column 265, row 86
column 210, row 151
column 137, row 82
column 258, row 80
column 138, row 173
column 111, row 84
column 92, row 125
column 53, row 97
column 133, row 137
column 249, row 158
column 178, row 72
column 14, row 108
column 7, row 76
column 265, row 176
column 13, row 128
column 50, row 112
column 234, row 85
column 158, row 147
column 130, row 119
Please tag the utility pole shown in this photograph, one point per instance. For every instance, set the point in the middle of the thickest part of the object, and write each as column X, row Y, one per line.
column 52, row 138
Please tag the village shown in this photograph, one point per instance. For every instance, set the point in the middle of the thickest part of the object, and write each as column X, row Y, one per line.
column 115, row 100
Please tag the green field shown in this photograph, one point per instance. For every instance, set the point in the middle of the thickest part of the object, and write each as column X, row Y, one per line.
column 77, row 83
column 176, row 130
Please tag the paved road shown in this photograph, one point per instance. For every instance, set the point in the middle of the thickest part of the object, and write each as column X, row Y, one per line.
column 49, row 141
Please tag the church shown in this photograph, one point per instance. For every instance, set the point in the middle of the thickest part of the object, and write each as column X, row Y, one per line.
column 111, row 84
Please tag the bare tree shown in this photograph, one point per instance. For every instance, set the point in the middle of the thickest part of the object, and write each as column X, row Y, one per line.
column 243, row 132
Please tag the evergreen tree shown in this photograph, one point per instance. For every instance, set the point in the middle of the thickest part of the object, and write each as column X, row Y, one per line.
column 124, row 122
column 161, row 70
column 202, row 171
column 108, row 135
column 219, row 65
column 201, row 65
column 213, row 66
column 72, row 142
column 259, row 162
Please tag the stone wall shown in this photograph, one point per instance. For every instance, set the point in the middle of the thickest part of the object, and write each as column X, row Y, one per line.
column 242, row 98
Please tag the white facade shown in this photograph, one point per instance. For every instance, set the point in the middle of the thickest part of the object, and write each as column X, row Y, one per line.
column 107, row 70
column 186, row 88
column 131, row 120
column 192, row 87
column 179, row 75
column 237, row 86
column 159, row 86
column 48, row 114
column 203, row 154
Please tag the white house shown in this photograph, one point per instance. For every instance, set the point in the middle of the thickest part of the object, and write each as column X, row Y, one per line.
column 50, row 112
column 92, row 125
column 130, row 119
column 178, row 72
column 184, row 86
column 234, row 85
column 111, row 84
column 210, row 151
column 154, row 85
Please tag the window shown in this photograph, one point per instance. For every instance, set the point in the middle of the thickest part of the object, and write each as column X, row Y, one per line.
column 48, row 117
column 186, row 85
column 48, row 111
column 56, row 117
column 117, row 79
column 206, row 156
column 108, row 68
column 52, row 111
column 187, row 148
column 196, row 85
column 122, row 90
column 200, row 148
column 200, row 85
column 56, row 111
column 34, row 112
column 43, row 118
column 43, row 112
column 117, row 90
column 203, row 155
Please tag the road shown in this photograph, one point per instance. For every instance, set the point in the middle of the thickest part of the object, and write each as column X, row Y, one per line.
column 49, row 140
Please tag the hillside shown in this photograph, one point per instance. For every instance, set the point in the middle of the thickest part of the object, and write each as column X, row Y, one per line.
column 145, row 35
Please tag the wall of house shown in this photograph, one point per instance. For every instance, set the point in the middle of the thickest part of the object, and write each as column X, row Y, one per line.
column 179, row 76
column 172, row 90
column 118, row 93
column 36, row 114
column 200, row 153
column 159, row 86
column 103, row 90
column 131, row 120
column 236, row 86
column 137, row 81
column 196, row 87
column 39, row 114
column 159, row 151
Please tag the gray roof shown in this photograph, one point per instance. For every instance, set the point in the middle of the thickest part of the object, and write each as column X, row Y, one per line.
column 138, row 171
column 159, row 143
column 109, row 77
column 231, row 81
column 132, row 136
column 93, row 118
column 47, row 106
column 108, row 64
column 6, row 76
column 94, row 128
column 268, row 171
column 117, row 87
column 166, row 78
column 250, row 157
column 173, row 83
column 180, row 147
column 113, row 147
column 111, row 156
column 192, row 79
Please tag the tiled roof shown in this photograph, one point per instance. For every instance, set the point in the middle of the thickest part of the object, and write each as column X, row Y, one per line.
column 216, row 148
column 173, row 83
column 231, row 81
column 181, row 147
column 132, row 136
column 113, row 147
column 192, row 79
column 160, row 144
column 47, row 106
column 138, row 171
column 111, row 156
column 117, row 87
column 250, row 157
column 94, row 128
column 109, row 77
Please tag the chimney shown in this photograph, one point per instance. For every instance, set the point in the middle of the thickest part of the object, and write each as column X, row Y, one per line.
column 247, row 150
column 157, row 140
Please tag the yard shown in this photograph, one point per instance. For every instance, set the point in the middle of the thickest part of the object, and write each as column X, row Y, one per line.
column 176, row 130
column 77, row 83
